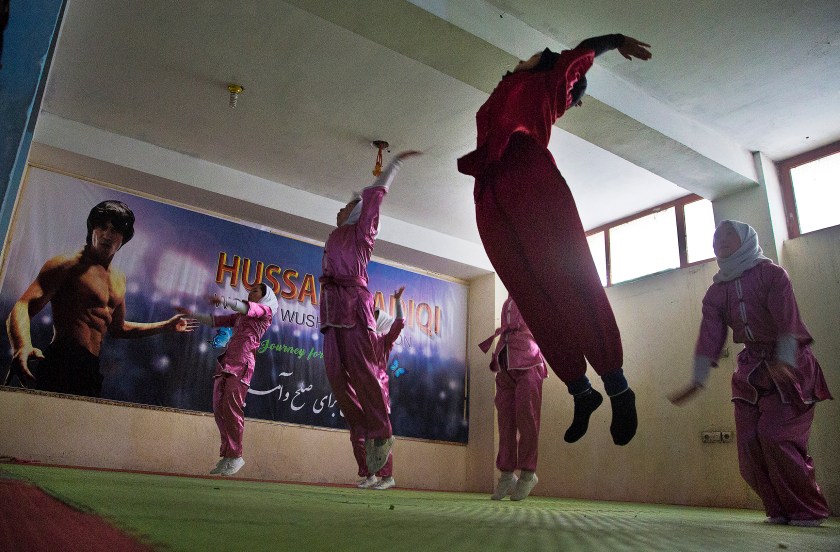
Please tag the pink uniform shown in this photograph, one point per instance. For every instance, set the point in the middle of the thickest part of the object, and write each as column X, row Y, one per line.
column 234, row 369
column 529, row 223
column 520, row 371
column 382, row 346
column 347, row 316
column 772, row 424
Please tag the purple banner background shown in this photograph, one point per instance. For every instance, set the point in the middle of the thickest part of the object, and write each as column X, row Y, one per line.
column 174, row 259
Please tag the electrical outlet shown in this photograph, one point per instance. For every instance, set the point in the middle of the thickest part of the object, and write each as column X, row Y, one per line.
column 710, row 436
column 726, row 436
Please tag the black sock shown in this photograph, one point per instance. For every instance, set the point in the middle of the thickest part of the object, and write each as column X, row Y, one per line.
column 585, row 405
column 624, row 419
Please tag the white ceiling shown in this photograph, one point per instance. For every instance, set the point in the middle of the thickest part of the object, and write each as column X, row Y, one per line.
column 324, row 78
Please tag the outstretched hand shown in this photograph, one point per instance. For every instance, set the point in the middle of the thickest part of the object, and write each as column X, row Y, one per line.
column 180, row 323
column 633, row 48
column 781, row 375
column 399, row 292
column 406, row 154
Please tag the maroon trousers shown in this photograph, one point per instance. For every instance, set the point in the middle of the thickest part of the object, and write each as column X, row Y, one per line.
column 532, row 233
column 773, row 454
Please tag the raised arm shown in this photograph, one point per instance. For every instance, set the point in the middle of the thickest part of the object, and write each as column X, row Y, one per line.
column 236, row 305
column 372, row 196
column 627, row 46
column 399, row 322
column 601, row 44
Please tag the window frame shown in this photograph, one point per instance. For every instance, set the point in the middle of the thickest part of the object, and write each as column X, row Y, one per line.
column 783, row 170
column 682, row 241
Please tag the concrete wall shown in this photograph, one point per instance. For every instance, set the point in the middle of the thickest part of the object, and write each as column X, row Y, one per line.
column 813, row 262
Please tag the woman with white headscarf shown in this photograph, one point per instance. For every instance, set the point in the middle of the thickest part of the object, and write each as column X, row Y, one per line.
column 777, row 381
column 235, row 366
column 388, row 329
column 347, row 317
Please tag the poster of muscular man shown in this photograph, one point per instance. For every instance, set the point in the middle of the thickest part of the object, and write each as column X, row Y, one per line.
column 92, row 277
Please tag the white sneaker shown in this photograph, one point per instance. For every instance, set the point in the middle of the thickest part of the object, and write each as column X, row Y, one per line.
column 506, row 483
column 385, row 483
column 377, row 454
column 806, row 522
column 233, row 466
column 776, row 520
column 220, row 466
column 368, row 482
column 524, row 487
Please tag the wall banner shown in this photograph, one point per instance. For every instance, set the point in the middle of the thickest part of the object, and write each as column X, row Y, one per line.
column 178, row 256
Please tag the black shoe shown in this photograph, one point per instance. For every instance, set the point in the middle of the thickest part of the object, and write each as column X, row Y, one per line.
column 624, row 419
column 585, row 404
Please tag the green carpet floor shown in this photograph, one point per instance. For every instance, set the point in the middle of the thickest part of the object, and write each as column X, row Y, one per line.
column 184, row 513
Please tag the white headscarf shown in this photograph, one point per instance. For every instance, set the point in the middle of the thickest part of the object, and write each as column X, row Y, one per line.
column 269, row 299
column 357, row 212
column 746, row 257
column 383, row 321
column 357, row 209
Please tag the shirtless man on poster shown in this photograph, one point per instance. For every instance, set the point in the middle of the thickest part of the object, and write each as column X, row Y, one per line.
column 88, row 300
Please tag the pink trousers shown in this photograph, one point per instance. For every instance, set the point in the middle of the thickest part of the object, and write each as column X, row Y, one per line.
column 773, row 457
column 229, row 410
column 357, row 439
column 531, row 230
column 518, row 403
column 351, row 368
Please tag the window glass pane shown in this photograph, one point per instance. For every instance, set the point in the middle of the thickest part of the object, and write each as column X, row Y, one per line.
column 599, row 254
column 816, row 188
column 644, row 246
column 699, row 230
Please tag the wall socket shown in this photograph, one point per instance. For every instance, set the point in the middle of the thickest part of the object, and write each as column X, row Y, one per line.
column 710, row 436
column 717, row 436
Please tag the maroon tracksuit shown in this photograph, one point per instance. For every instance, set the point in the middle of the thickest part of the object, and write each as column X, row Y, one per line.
column 529, row 223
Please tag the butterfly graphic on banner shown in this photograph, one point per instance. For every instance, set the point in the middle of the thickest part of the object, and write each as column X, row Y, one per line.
column 396, row 369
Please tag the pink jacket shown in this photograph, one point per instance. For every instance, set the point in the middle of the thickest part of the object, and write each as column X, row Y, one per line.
column 516, row 342
column 761, row 309
column 528, row 102
column 248, row 329
column 345, row 299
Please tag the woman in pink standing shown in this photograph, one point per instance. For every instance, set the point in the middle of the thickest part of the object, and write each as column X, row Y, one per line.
column 235, row 366
column 777, row 382
column 388, row 329
column 520, row 371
